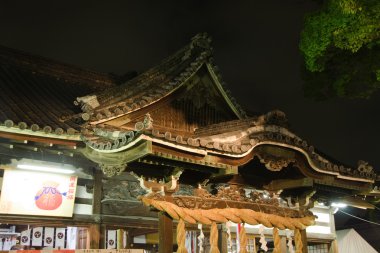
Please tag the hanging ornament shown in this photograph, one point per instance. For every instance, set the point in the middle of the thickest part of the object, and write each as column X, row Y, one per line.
column 262, row 239
column 229, row 238
column 200, row 238
column 290, row 241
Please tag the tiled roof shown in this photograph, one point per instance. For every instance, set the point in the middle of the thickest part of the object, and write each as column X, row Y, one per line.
column 154, row 84
column 37, row 94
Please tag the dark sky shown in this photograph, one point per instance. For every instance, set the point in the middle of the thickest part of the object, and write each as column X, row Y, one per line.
column 256, row 48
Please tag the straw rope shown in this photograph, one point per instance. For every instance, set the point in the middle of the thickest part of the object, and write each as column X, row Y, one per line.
column 277, row 241
column 214, row 239
column 298, row 240
column 243, row 240
column 181, row 237
column 236, row 215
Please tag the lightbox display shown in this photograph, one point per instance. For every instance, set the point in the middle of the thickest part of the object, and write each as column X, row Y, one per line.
column 37, row 193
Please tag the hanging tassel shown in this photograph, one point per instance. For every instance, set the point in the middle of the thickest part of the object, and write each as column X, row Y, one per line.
column 290, row 241
column 181, row 237
column 214, row 239
column 277, row 241
column 229, row 238
column 243, row 240
column 200, row 238
column 298, row 240
column 262, row 239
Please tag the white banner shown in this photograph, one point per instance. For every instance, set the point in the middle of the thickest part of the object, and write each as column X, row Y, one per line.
column 71, row 238
column 6, row 243
column 37, row 236
column 111, row 239
column 25, row 237
column 60, row 238
column 49, row 237
column 37, row 193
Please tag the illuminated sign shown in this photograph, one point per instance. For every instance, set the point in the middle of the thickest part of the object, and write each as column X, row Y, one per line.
column 37, row 193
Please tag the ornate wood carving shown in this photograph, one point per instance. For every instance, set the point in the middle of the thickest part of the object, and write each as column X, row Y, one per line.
column 111, row 170
column 227, row 196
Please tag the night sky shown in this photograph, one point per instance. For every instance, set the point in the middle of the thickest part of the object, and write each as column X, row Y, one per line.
column 255, row 45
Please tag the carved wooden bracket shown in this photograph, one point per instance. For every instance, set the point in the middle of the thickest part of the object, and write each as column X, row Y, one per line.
column 112, row 170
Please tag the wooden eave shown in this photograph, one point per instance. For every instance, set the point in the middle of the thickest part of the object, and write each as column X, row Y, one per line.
column 51, row 139
column 234, row 143
column 228, row 163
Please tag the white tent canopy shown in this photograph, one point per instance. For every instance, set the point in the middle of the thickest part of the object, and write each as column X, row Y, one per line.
column 349, row 241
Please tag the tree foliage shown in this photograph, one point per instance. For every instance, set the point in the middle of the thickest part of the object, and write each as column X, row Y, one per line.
column 341, row 48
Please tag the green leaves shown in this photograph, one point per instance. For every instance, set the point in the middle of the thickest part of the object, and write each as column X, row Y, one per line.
column 340, row 44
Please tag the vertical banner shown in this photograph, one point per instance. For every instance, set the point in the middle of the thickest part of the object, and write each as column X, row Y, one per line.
column 7, row 243
column 111, row 239
column 188, row 241
column 49, row 237
column 71, row 237
column 60, row 237
column 37, row 236
column 25, row 237
column 191, row 241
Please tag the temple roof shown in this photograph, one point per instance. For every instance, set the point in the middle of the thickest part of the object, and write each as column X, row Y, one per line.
column 156, row 83
column 235, row 139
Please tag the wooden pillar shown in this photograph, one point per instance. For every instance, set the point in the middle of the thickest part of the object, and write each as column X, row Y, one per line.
column 93, row 235
column 304, row 240
column 129, row 240
column 103, row 231
column 165, row 233
column 96, row 230
column 222, row 239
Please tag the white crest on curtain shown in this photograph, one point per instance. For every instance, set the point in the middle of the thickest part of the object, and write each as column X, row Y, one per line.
column 25, row 237
column 37, row 236
column 60, row 238
column 49, row 237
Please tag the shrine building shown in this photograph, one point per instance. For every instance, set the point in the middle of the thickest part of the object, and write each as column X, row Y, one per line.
column 163, row 161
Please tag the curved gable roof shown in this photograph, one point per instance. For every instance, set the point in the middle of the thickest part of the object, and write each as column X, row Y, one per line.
column 156, row 83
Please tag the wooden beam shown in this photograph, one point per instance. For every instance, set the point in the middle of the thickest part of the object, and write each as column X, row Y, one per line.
column 281, row 184
column 165, row 232
column 24, row 137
